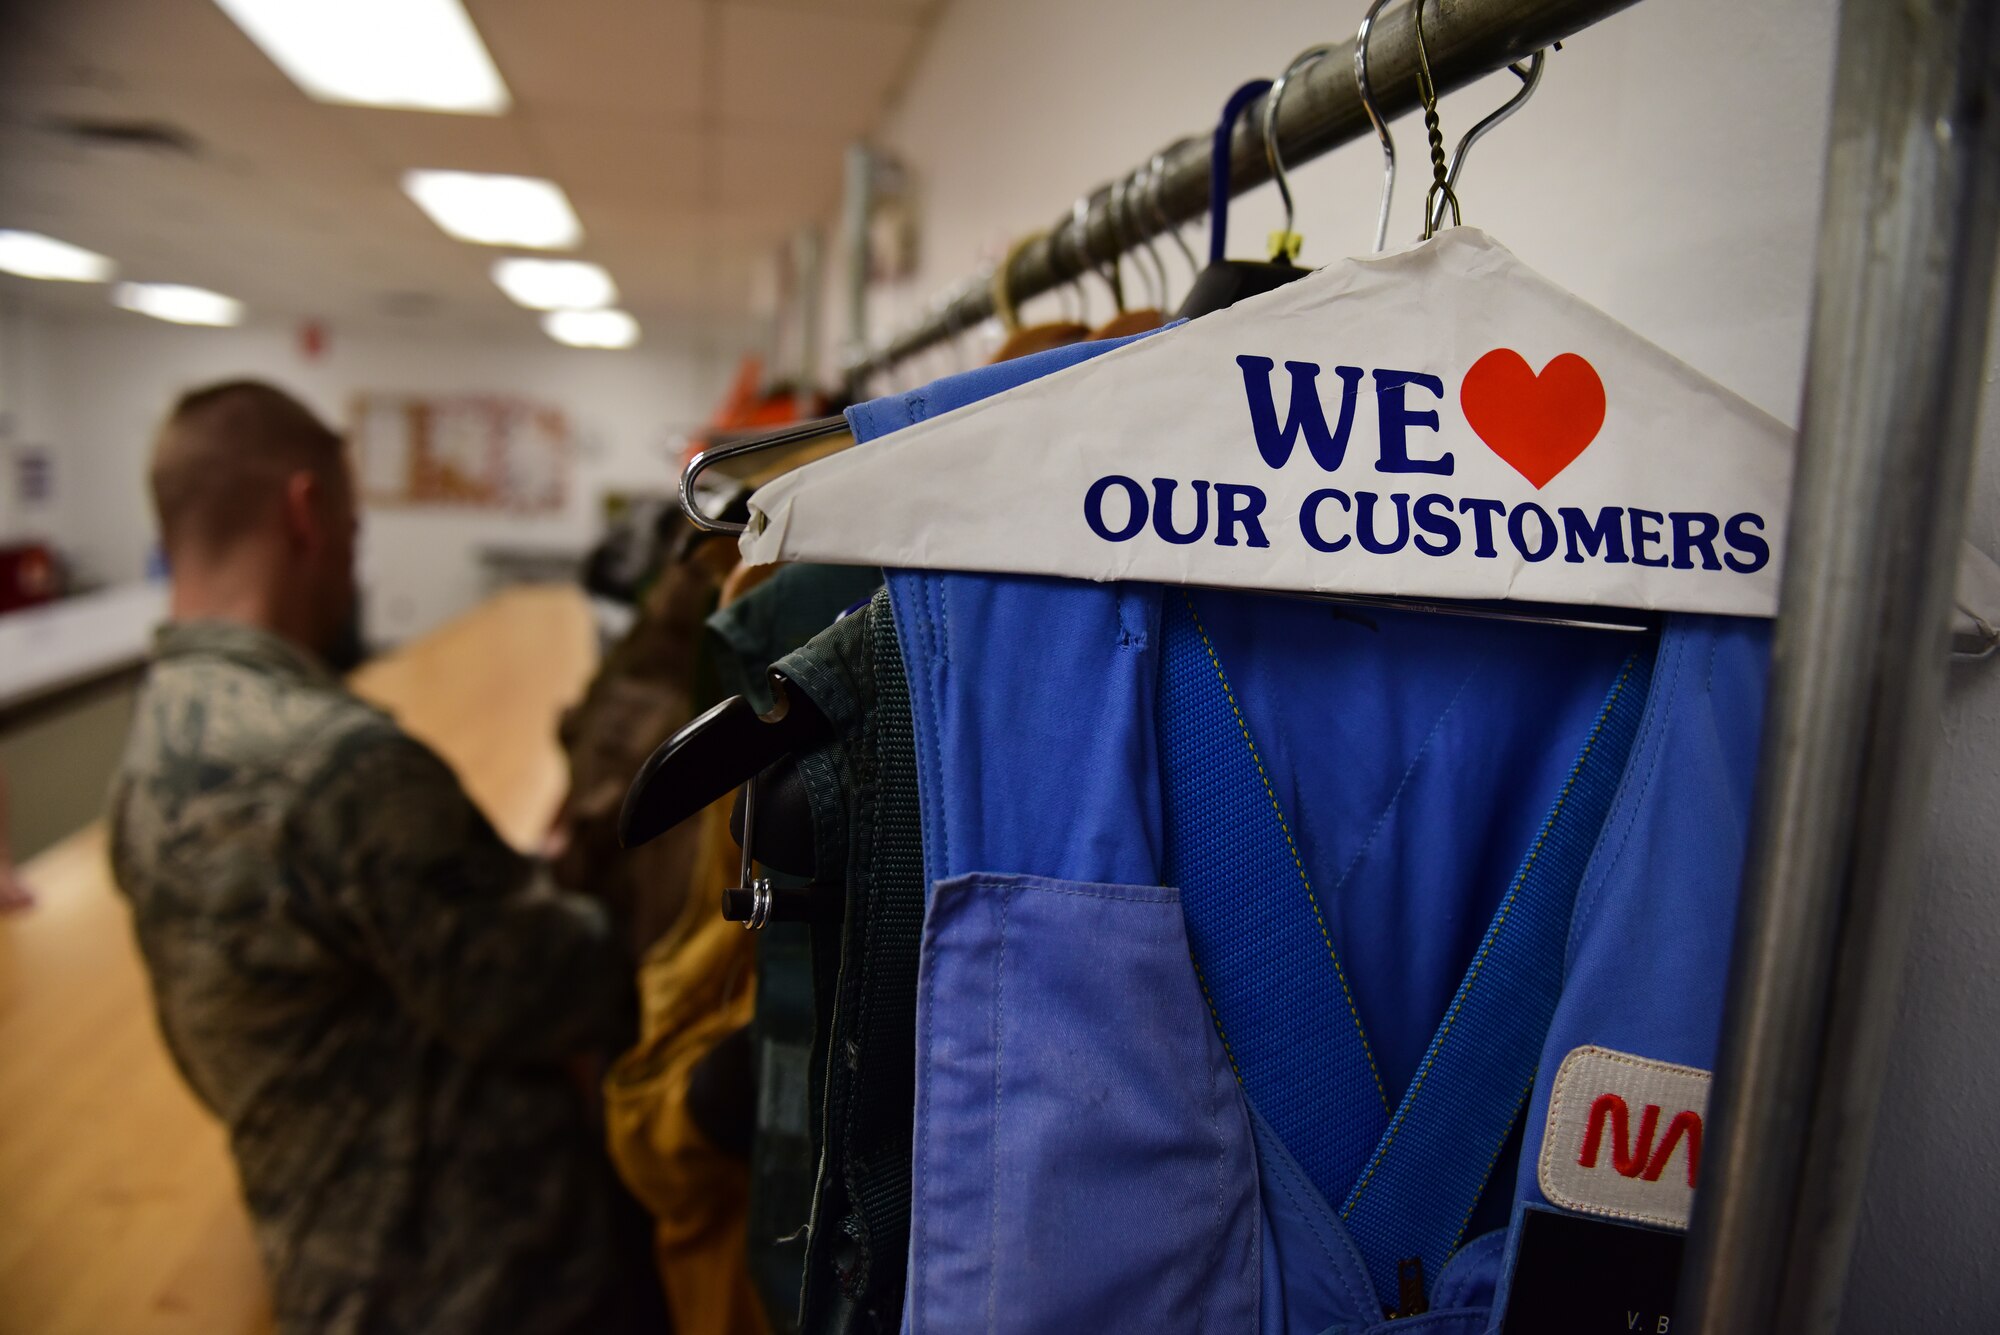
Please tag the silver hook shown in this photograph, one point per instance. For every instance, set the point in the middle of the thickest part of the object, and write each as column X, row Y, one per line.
column 1142, row 182
column 1530, row 79
column 1133, row 236
column 1068, row 295
column 1079, row 216
column 1427, row 93
column 821, row 428
column 1114, row 217
column 747, row 877
column 1157, row 180
column 1375, row 119
column 1070, row 290
column 1285, row 244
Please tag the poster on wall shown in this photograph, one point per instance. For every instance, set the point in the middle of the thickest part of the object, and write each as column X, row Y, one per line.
column 478, row 451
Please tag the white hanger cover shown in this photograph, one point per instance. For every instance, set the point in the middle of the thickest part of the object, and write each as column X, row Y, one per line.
column 1436, row 422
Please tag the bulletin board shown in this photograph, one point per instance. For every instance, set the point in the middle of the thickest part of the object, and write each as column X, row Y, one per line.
column 473, row 451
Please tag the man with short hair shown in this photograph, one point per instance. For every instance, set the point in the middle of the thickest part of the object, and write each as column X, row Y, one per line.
column 373, row 991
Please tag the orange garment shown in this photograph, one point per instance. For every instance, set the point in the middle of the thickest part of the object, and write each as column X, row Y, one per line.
column 1126, row 323
column 1034, row 338
column 749, row 405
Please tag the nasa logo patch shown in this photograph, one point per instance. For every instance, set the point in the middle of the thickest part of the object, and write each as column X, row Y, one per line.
column 1623, row 1138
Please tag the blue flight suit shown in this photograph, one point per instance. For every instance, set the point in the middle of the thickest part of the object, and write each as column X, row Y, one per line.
column 1244, row 907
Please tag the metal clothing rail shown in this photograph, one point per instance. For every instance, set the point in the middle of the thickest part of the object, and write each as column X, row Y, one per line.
column 1879, row 494
column 1322, row 109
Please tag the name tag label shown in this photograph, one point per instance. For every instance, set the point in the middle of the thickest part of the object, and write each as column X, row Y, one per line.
column 1592, row 1277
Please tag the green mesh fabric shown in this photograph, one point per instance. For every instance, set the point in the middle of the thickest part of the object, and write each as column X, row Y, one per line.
column 866, row 783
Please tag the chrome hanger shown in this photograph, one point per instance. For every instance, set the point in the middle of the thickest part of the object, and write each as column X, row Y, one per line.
column 1367, row 94
column 1440, row 194
column 1072, row 286
column 1156, row 180
column 820, row 428
column 1530, row 78
column 1134, row 238
column 1079, row 228
column 1285, row 245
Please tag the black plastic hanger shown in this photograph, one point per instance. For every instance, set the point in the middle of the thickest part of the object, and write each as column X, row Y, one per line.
column 723, row 749
column 1225, row 281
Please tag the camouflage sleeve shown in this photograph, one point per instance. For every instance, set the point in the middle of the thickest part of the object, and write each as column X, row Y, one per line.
column 471, row 935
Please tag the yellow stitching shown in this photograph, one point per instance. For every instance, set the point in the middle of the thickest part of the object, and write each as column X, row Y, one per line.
column 1220, row 1032
column 1483, row 1177
column 1256, row 759
column 1479, row 961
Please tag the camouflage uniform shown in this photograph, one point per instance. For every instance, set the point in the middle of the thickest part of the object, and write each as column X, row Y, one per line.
column 374, row 993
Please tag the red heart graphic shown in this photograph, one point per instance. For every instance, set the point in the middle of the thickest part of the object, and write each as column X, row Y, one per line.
column 1537, row 423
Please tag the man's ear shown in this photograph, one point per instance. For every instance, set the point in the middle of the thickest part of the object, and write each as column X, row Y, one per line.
column 305, row 517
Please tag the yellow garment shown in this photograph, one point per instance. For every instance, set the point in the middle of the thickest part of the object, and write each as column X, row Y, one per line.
column 696, row 985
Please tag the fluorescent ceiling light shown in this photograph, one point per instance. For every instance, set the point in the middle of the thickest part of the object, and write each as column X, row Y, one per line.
column 32, row 255
column 592, row 329
column 496, row 210
column 555, row 285
column 177, row 303
column 420, row 55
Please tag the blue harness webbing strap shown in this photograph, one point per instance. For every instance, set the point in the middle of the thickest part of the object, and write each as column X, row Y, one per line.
column 1419, row 1190
column 1261, row 945
column 1281, row 1001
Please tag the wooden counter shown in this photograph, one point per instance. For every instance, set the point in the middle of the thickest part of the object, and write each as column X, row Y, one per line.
column 119, row 1211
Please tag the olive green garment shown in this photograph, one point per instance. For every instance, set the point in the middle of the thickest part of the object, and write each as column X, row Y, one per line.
column 374, row 993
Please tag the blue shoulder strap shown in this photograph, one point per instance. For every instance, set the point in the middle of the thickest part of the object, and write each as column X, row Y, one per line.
column 1418, row 1192
column 1280, row 998
column 1266, row 960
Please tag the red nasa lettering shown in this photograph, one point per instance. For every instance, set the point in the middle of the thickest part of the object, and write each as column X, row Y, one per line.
column 1640, row 1158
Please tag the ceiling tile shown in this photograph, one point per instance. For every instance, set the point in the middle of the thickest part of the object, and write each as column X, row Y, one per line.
column 694, row 137
column 824, row 73
column 637, row 58
column 400, row 140
column 907, row 10
column 621, row 162
column 165, row 43
column 791, row 174
column 276, row 137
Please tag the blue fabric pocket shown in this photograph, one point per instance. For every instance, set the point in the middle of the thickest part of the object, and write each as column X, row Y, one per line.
column 1083, row 1155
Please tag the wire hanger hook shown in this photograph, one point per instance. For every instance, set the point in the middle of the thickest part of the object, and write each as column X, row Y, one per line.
column 1132, row 234
column 1285, row 245
column 1079, row 216
column 1531, row 78
column 1157, row 182
column 1133, row 186
column 1367, row 92
column 1440, row 193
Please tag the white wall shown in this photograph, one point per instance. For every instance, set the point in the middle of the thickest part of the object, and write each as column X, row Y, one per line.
column 109, row 380
column 27, row 421
column 1668, row 171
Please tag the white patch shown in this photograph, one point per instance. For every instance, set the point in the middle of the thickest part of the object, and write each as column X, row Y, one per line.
column 1624, row 1137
